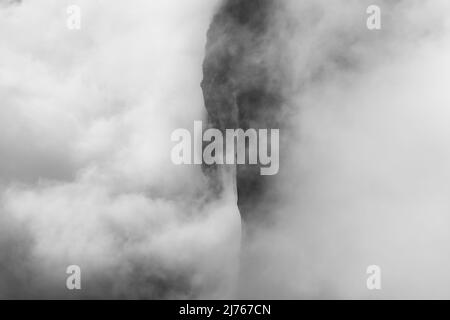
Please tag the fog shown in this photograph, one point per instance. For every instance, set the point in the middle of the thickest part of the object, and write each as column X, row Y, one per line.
column 86, row 176
column 85, row 172
column 366, row 177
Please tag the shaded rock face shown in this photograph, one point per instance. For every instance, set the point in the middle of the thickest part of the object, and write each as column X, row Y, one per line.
column 242, row 88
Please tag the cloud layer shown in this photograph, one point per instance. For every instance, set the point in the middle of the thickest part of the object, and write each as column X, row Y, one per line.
column 86, row 176
column 85, row 172
column 366, row 175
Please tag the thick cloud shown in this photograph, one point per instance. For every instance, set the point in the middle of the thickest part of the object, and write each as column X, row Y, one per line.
column 85, row 170
column 86, row 176
column 366, row 175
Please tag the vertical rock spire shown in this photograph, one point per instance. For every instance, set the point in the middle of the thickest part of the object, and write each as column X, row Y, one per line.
column 242, row 86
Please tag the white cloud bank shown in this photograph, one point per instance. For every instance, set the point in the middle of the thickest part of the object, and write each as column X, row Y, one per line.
column 367, row 177
column 86, row 176
column 85, row 171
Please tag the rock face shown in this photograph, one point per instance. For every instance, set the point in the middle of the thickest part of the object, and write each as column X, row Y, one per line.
column 242, row 87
